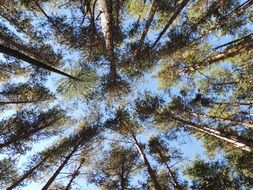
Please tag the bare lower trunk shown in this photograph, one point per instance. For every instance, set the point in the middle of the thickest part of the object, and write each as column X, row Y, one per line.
column 18, row 55
column 106, row 23
column 232, row 51
column 57, row 172
column 26, row 175
column 230, row 120
column 179, row 8
column 174, row 179
column 149, row 21
column 236, row 142
column 151, row 172
column 74, row 175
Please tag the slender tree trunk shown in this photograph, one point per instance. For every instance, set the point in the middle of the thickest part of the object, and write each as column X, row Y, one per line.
column 248, row 103
column 23, row 48
column 107, row 24
column 57, row 172
column 151, row 172
column 74, row 175
column 230, row 120
column 226, row 19
column 50, row 20
column 18, row 55
column 234, row 141
column 232, row 51
column 151, row 15
column 175, row 182
column 234, row 41
column 179, row 8
column 27, row 174
column 20, row 102
column 122, row 178
column 239, row 10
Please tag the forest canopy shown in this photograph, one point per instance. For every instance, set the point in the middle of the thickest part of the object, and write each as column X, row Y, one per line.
column 126, row 94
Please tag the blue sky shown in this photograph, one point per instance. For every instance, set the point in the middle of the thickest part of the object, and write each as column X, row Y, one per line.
column 147, row 83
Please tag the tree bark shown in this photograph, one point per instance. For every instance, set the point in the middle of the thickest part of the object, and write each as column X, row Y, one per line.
column 28, row 51
column 175, row 182
column 50, row 20
column 122, row 178
column 233, row 14
column 179, row 8
column 27, row 174
column 20, row 102
column 18, row 55
column 230, row 120
column 151, row 15
column 151, row 172
column 231, row 51
column 74, row 175
column 234, row 141
column 106, row 23
column 57, row 172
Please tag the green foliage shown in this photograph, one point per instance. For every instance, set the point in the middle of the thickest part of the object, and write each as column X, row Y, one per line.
column 8, row 171
column 211, row 175
column 98, row 57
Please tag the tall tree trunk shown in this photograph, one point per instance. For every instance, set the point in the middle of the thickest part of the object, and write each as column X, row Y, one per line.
column 23, row 48
column 57, row 172
column 234, row 41
column 74, row 175
column 232, row 51
column 151, row 172
column 234, row 141
column 27, row 174
column 179, row 8
column 175, row 182
column 226, row 19
column 50, row 20
column 228, row 119
column 123, row 178
column 247, row 103
column 107, row 24
column 20, row 102
column 18, row 55
column 151, row 15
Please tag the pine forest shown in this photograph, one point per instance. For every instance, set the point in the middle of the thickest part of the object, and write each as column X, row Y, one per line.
column 126, row 94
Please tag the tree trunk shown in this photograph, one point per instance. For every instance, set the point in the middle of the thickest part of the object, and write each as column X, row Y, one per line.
column 175, row 182
column 234, row 141
column 50, row 20
column 179, row 8
column 234, row 41
column 248, row 103
column 57, row 172
column 148, row 23
column 74, row 175
column 106, row 23
column 122, row 178
column 27, row 174
column 233, row 14
column 151, row 172
column 230, row 120
column 232, row 51
column 18, row 55
column 20, row 102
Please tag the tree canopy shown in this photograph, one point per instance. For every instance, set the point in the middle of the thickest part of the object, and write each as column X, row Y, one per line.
column 126, row 94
